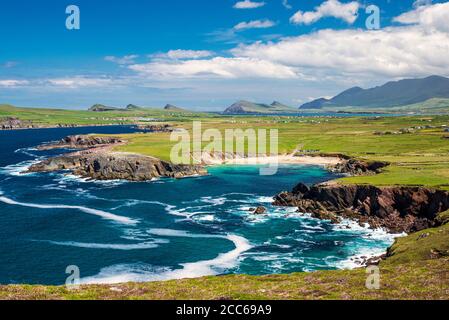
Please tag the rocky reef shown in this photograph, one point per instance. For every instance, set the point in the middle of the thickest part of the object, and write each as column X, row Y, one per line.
column 398, row 209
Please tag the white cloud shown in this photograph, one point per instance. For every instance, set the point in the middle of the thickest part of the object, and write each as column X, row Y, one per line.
column 419, row 3
column 129, row 59
column 73, row 82
column 255, row 24
column 248, row 4
column 330, row 8
column 431, row 17
column 78, row 82
column 185, row 54
column 289, row 69
column 397, row 51
column 286, row 4
column 216, row 67
column 13, row 83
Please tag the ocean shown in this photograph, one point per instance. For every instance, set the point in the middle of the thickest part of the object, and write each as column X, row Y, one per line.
column 117, row 231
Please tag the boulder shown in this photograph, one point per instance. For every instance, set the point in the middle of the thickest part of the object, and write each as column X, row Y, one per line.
column 260, row 210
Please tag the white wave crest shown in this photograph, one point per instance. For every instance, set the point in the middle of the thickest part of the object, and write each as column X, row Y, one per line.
column 136, row 273
column 19, row 169
column 125, row 247
column 100, row 213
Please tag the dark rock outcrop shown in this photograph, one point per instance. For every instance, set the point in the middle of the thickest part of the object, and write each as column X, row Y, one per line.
column 11, row 123
column 355, row 167
column 156, row 127
column 259, row 210
column 398, row 209
column 111, row 166
column 81, row 142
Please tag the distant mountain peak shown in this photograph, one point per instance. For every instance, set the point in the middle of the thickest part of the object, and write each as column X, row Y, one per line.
column 247, row 107
column 101, row 108
column 392, row 94
column 171, row 107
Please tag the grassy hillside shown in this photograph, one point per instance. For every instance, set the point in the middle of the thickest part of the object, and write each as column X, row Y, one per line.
column 423, row 245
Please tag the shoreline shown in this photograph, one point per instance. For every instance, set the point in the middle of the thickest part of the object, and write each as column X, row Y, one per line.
column 69, row 126
column 286, row 159
column 236, row 159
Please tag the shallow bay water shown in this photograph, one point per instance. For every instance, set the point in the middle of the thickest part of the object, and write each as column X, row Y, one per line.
column 119, row 231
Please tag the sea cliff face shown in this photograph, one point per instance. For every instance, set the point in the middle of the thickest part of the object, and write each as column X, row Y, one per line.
column 81, row 142
column 99, row 162
column 112, row 166
column 398, row 209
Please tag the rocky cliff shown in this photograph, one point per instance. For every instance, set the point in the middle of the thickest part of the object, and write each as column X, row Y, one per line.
column 398, row 209
column 106, row 165
column 81, row 142
column 98, row 161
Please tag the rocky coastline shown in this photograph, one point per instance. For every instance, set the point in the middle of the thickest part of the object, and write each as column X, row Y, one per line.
column 12, row 123
column 397, row 209
column 98, row 161
column 81, row 142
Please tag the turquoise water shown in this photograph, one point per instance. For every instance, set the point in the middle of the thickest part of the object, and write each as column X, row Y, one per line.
column 120, row 231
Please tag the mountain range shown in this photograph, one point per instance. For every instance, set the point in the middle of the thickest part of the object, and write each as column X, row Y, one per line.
column 392, row 95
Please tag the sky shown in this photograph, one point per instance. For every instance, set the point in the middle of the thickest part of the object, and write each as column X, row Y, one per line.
column 206, row 54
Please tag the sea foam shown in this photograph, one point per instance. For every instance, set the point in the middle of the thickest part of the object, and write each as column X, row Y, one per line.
column 125, row 247
column 100, row 213
column 143, row 273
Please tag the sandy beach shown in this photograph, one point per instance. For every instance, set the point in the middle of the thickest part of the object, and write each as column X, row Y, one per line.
column 262, row 160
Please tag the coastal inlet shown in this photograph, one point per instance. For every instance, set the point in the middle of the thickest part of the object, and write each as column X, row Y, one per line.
column 117, row 230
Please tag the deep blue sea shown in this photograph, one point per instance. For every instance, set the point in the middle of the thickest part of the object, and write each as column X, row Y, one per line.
column 121, row 231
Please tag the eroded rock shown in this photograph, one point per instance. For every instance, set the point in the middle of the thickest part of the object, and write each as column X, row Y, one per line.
column 398, row 209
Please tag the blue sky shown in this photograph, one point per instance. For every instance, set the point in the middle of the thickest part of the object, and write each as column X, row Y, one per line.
column 205, row 54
